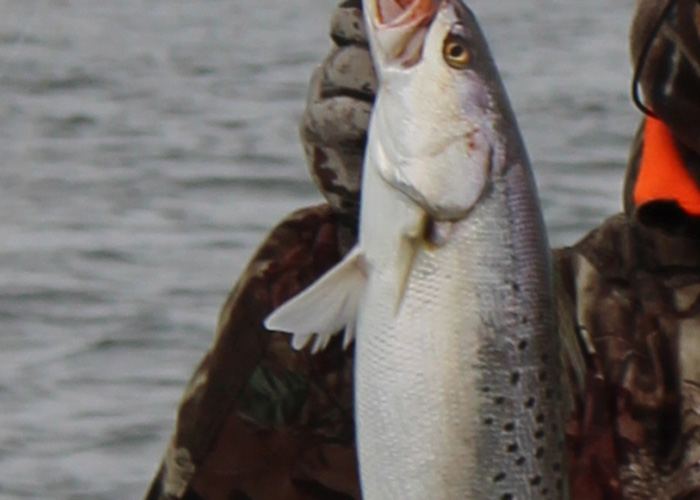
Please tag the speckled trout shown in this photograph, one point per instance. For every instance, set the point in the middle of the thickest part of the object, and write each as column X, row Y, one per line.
column 448, row 291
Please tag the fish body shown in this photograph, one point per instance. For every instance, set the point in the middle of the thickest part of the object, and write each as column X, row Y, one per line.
column 457, row 375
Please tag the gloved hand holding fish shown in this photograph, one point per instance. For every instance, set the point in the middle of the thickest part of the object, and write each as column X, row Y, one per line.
column 448, row 291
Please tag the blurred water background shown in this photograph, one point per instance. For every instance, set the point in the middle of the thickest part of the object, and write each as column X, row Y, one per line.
column 146, row 146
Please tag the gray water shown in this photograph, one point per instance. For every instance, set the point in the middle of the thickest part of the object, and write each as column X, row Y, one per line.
column 146, row 146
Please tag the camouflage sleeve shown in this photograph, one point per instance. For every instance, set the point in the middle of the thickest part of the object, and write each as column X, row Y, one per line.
column 259, row 420
column 589, row 429
column 635, row 291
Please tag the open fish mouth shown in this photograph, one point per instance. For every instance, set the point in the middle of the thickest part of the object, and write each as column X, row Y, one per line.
column 398, row 28
column 398, row 13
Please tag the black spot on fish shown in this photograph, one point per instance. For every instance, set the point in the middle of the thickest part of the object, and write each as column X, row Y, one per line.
column 542, row 376
column 514, row 378
column 486, row 389
column 499, row 400
column 540, row 452
column 509, row 427
column 512, row 448
column 545, row 491
column 556, row 467
column 514, row 286
column 536, row 480
column 520, row 461
column 488, row 421
column 530, row 403
column 522, row 345
column 539, row 434
column 540, row 418
column 499, row 477
column 507, row 496
column 524, row 320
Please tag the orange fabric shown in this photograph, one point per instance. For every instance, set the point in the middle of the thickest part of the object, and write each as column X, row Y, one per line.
column 662, row 175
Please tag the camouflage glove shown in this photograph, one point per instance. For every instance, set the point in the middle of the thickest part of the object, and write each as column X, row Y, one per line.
column 338, row 106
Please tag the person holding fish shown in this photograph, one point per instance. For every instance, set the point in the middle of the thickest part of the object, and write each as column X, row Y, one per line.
column 261, row 420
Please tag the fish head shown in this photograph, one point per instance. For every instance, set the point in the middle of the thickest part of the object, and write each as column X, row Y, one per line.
column 400, row 29
column 439, row 105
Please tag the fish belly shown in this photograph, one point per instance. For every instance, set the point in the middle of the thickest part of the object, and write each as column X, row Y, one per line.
column 457, row 385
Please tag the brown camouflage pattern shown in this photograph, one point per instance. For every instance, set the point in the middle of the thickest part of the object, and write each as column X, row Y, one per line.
column 260, row 420
column 671, row 72
column 637, row 296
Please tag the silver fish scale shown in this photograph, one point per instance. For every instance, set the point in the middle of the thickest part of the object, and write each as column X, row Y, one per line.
column 521, row 434
column 468, row 367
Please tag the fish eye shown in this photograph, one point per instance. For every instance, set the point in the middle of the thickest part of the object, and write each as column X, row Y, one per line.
column 455, row 52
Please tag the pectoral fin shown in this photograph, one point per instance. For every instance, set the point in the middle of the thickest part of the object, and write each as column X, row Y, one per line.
column 326, row 307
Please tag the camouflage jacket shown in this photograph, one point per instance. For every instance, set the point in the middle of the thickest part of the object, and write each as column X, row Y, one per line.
column 258, row 419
